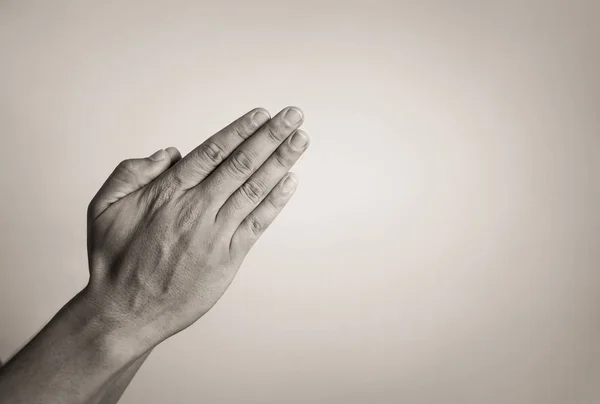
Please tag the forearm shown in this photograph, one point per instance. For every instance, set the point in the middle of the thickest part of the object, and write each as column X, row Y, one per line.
column 69, row 360
column 112, row 391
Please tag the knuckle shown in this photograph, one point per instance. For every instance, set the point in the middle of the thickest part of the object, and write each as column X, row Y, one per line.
column 282, row 160
column 126, row 172
column 173, row 182
column 255, row 226
column 127, row 166
column 162, row 192
column 241, row 164
column 240, row 131
column 253, row 191
column 273, row 134
column 274, row 203
column 210, row 194
column 212, row 153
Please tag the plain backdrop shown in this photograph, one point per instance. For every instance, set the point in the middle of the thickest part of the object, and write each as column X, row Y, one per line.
column 443, row 245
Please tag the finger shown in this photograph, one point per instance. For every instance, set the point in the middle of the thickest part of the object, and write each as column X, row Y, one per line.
column 129, row 176
column 249, row 156
column 255, row 224
column 254, row 190
column 174, row 154
column 201, row 161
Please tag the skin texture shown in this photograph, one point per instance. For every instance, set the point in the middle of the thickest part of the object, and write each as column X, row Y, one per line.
column 166, row 237
column 112, row 391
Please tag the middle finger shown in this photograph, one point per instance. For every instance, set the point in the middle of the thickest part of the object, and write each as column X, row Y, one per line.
column 250, row 155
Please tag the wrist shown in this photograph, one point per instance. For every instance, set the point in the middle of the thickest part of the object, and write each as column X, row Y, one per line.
column 74, row 355
column 122, row 335
column 115, row 342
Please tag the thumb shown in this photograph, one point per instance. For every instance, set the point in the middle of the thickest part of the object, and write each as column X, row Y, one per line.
column 129, row 176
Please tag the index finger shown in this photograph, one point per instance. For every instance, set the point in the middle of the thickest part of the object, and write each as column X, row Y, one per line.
column 200, row 162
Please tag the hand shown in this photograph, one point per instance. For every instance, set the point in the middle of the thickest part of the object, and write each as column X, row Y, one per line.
column 166, row 235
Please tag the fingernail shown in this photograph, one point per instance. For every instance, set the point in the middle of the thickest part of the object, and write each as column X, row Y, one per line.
column 298, row 140
column 289, row 184
column 159, row 155
column 292, row 116
column 260, row 117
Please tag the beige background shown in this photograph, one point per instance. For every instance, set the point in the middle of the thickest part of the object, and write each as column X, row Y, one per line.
column 444, row 242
